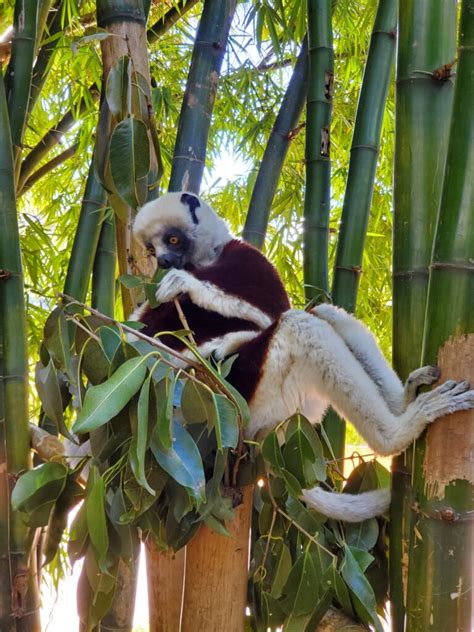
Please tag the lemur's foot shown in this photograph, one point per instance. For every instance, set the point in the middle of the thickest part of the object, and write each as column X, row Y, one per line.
column 448, row 398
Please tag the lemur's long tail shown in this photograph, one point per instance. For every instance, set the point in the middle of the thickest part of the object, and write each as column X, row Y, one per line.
column 348, row 507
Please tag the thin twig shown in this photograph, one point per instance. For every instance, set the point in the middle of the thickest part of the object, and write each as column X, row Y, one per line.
column 183, row 320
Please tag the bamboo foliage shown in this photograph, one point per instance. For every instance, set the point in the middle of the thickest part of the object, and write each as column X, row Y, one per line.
column 198, row 101
column 276, row 149
column 22, row 609
column 440, row 564
column 427, row 36
column 317, row 153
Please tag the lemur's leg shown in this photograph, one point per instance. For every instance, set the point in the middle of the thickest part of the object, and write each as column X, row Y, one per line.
column 364, row 346
column 306, row 354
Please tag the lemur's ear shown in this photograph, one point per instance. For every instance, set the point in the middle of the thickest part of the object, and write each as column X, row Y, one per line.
column 193, row 203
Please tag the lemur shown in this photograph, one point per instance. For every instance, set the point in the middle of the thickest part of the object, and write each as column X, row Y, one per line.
column 288, row 359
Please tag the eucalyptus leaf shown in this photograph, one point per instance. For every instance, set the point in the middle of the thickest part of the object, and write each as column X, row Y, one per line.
column 139, row 443
column 96, row 517
column 106, row 400
column 183, row 462
column 299, row 596
column 129, row 156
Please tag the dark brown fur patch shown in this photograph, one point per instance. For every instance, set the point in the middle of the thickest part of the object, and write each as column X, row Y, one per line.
column 241, row 271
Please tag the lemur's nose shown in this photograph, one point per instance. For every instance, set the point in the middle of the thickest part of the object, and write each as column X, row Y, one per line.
column 170, row 260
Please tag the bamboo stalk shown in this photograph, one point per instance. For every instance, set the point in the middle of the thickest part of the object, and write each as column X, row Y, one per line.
column 427, row 36
column 317, row 153
column 86, row 238
column 14, row 382
column 196, row 111
column 165, row 575
column 364, row 153
column 42, row 64
column 50, row 140
column 169, row 19
column 440, row 564
column 18, row 76
column 275, row 152
column 218, row 565
column 48, row 166
column 5, row 575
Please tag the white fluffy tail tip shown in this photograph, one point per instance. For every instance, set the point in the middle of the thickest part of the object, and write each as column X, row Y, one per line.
column 348, row 507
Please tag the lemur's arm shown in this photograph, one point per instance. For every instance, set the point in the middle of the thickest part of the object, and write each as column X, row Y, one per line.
column 240, row 284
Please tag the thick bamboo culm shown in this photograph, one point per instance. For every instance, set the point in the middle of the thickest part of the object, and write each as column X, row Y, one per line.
column 317, row 153
column 274, row 156
column 195, row 118
column 440, row 592
column 165, row 578
column 215, row 594
column 427, row 38
column 21, row 587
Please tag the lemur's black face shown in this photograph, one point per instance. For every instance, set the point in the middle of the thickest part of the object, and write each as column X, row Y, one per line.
column 175, row 248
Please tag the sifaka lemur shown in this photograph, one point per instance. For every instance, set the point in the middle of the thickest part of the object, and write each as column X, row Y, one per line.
column 288, row 359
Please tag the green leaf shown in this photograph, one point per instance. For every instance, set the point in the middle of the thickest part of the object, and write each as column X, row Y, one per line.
column 129, row 156
column 197, row 404
column 362, row 535
column 272, row 453
column 183, row 462
column 49, row 391
column 272, row 612
column 139, row 443
column 299, row 594
column 117, row 88
column 95, row 512
column 37, row 490
column 110, row 340
column 360, row 588
column 226, row 422
column 56, row 340
column 317, row 467
column 106, row 400
column 164, row 391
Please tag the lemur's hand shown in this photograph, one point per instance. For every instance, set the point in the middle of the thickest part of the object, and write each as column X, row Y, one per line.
column 176, row 282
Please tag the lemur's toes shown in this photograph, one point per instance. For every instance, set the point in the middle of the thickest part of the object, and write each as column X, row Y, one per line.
column 425, row 375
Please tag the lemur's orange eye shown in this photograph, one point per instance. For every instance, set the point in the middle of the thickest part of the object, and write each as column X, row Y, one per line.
column 173, row 240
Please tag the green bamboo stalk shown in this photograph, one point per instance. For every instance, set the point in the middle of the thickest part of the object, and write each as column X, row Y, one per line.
column 14, row 379
column 105, row 264
column 52, row 137
column 54, row 25
column 275, row 152
column 317, row 154
column 18, row 76
column 196, row 111
column 169, row 19
column 86, row 238
column 440, row 564
column 427, row 36
column 5, row 575
column 364, row 154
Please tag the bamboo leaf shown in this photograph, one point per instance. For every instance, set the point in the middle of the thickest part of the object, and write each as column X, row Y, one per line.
column 106, row 400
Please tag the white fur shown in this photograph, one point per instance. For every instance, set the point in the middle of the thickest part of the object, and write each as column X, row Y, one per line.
column 209, row 297
column 348, row 507
column 307, row 356
column 209, row 236
column 364, row 346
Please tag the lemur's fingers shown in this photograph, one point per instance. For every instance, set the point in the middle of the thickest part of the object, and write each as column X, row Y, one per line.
column 422, row 376
column 448, row 398
column 174, row 283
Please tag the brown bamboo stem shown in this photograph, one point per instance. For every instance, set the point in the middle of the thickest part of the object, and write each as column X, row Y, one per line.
column 215, row 594
column 165, row 575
